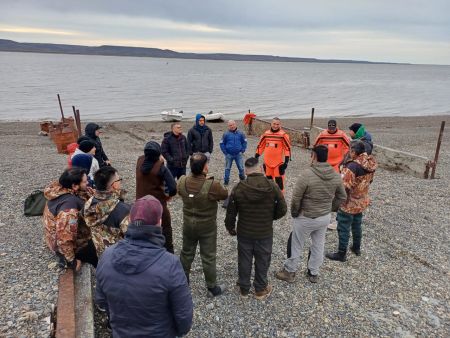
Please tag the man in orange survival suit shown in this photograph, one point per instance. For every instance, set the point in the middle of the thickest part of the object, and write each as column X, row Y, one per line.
column 337, row 141
column 276, row 146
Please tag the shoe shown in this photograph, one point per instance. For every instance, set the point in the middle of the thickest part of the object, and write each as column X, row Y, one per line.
column 244, row 293
column 337, row 256
column 332, row 226
column 357, row 252
column 286, row 276
column 216, row 291
column 264, row 294
column 312, row 278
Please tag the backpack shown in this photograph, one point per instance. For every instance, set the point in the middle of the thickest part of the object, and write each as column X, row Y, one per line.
column 34, row 204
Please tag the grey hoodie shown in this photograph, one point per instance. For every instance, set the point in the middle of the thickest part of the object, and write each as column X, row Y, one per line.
column 318, row 191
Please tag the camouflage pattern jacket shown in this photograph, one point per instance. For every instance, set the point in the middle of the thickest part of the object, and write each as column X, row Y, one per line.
column 107, row 217
column 357, row 176
column 64, row 231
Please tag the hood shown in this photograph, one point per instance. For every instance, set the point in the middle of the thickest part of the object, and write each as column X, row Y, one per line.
column 141, row 248
column 90, row 129
column 99, row 207
column 367, row 162
column 360, row 133
column 256, row 187
column 55, row 190
column 323, row 170
column 198, row 117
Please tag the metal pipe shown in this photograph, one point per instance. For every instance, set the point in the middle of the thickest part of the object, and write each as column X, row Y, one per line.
column 312, row 119
column 438, row 148
column 78, row 121
column 60, row 107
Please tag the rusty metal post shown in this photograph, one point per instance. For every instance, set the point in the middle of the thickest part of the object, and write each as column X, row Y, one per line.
column 78, row 121
column 438, row 148
column 312, row 119
column 65, row 316
column 60, row 107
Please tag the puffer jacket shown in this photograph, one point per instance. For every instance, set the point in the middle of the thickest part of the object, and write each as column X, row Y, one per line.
column 233, row 142
column 143, row 287
column 99, row 152
column 357, row 176
column 258, row 201
column 175, row 150
column 318, row 191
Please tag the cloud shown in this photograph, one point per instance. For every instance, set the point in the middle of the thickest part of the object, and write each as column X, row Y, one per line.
column 33, row 30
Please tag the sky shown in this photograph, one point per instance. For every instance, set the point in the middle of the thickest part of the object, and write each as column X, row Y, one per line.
column 414, row 31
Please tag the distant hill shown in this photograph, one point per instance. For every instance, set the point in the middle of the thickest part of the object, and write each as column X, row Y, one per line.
column 13, row 46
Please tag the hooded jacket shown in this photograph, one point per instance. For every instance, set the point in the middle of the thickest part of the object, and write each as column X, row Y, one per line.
column 143, row 287
column 107, row 217
column 200, row 138
column 257, row 201
column 175, row 149
column 357, row 176
column 63, row 232
column 364, row 136
column 99, row 152
column 318, row 191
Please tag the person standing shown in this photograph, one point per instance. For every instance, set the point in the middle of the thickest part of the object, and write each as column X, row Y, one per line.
column 151, row 177
column 276, row 147
column 175, row 149
column 337, row 141
column 200, row 138
column 257, row 201
column 92, row 130
column 357, row 175
column 141, row 286
column 200, row 195
column 318, row 191
column 358, row 132
column 233, row 146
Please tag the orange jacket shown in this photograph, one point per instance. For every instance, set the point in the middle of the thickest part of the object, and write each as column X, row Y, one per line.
column 338, row 145
column 275, row 146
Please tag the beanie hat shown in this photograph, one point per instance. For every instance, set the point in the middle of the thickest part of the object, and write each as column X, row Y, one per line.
column 83, row 161
column 82, row 138
column 354, row 127
column 146, row 211
column 152, row 146
column 86, row 146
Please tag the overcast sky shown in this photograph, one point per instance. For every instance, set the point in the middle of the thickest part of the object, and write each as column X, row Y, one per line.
column 416, row 31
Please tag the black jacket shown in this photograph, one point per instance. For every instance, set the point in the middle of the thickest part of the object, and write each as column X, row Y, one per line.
column 175, row 150
column 99, row 152
column 200, row 143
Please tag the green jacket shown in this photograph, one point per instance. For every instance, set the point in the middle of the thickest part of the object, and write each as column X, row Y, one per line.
column 258, row 201
column 318, row 191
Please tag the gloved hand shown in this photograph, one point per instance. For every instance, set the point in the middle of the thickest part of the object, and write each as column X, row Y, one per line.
column 232, row 232
column 283, row 167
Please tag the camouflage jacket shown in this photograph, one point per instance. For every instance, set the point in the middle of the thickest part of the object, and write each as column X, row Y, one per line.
column 357, row 176
column 64, row 231
column 107, row 217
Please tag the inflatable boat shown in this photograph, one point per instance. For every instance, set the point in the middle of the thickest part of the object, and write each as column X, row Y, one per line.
column 211, row 116
column 172, row 116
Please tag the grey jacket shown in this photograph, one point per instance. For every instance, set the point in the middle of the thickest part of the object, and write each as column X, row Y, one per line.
column 318, row 191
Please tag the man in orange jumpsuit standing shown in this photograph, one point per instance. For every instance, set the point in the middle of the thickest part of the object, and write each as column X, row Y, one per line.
column 276, row 146
column 338, row 144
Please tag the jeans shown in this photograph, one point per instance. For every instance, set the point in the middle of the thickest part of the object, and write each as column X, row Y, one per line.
column 238, row 158
column 345, row 223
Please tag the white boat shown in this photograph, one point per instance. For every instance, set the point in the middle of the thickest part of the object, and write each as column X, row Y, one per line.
column 211, row 116
column 172, row 116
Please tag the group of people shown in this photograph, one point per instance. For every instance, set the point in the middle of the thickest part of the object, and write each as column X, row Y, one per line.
column 140, row 283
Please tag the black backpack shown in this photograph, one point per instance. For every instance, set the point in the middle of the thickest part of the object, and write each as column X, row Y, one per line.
column 34, row 204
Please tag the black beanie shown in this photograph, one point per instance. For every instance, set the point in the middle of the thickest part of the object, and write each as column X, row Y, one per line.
column 82, row 138
column 354, row 127
column 86, row 146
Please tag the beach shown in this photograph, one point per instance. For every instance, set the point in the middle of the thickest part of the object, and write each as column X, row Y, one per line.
column 398, row 287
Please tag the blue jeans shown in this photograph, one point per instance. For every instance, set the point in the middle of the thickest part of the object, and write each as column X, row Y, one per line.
column 238, row 158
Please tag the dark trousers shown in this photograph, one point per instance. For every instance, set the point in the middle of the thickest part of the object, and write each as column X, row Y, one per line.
column 87, row 254
column 347, row 222
column 261, row 250
column 166, row 225
column 177, row 172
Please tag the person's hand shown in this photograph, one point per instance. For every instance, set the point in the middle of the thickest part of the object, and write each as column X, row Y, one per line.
column 77, row 265
column 108, row 162
column 282, row 168
column 232, row 232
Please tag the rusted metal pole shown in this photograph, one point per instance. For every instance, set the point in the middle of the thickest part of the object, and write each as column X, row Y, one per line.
column 438, row 148
column 60, row 107
column 75, row 116
column 312, row 119
column 65, row 317
column 78, row 121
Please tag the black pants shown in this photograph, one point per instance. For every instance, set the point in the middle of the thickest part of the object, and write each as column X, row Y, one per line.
column 177, row 172
column 261, row 250
column 88, row 254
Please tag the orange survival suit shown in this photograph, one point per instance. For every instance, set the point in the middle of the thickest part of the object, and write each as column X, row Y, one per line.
column 276, row 147
column 338, row 144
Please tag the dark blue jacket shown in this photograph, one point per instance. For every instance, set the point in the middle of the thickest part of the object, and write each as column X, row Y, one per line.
column 143, row 287
column 233, row 142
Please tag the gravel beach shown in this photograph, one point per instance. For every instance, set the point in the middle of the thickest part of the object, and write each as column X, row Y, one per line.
column 400, row 286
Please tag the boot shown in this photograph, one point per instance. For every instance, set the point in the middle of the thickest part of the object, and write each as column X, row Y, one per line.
column 264, row 294
column 286, row 276
column 312, row 278
column 216, row 291
column 337, row 256
column 356, row 251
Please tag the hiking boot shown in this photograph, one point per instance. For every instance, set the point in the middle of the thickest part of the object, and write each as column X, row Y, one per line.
column 216, row 291
column 286, row 276
column 312, row 278
column 264, row 294
column 337, row 256
column 332, row 226
column 356, row 251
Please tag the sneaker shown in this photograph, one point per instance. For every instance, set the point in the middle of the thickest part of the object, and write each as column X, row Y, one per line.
column 337, row 256
column 357, row 252
column 264, row 294
column 216, row 291
column 243, row 293
column 312, row 278
column 332, row 226
column 286, row 276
